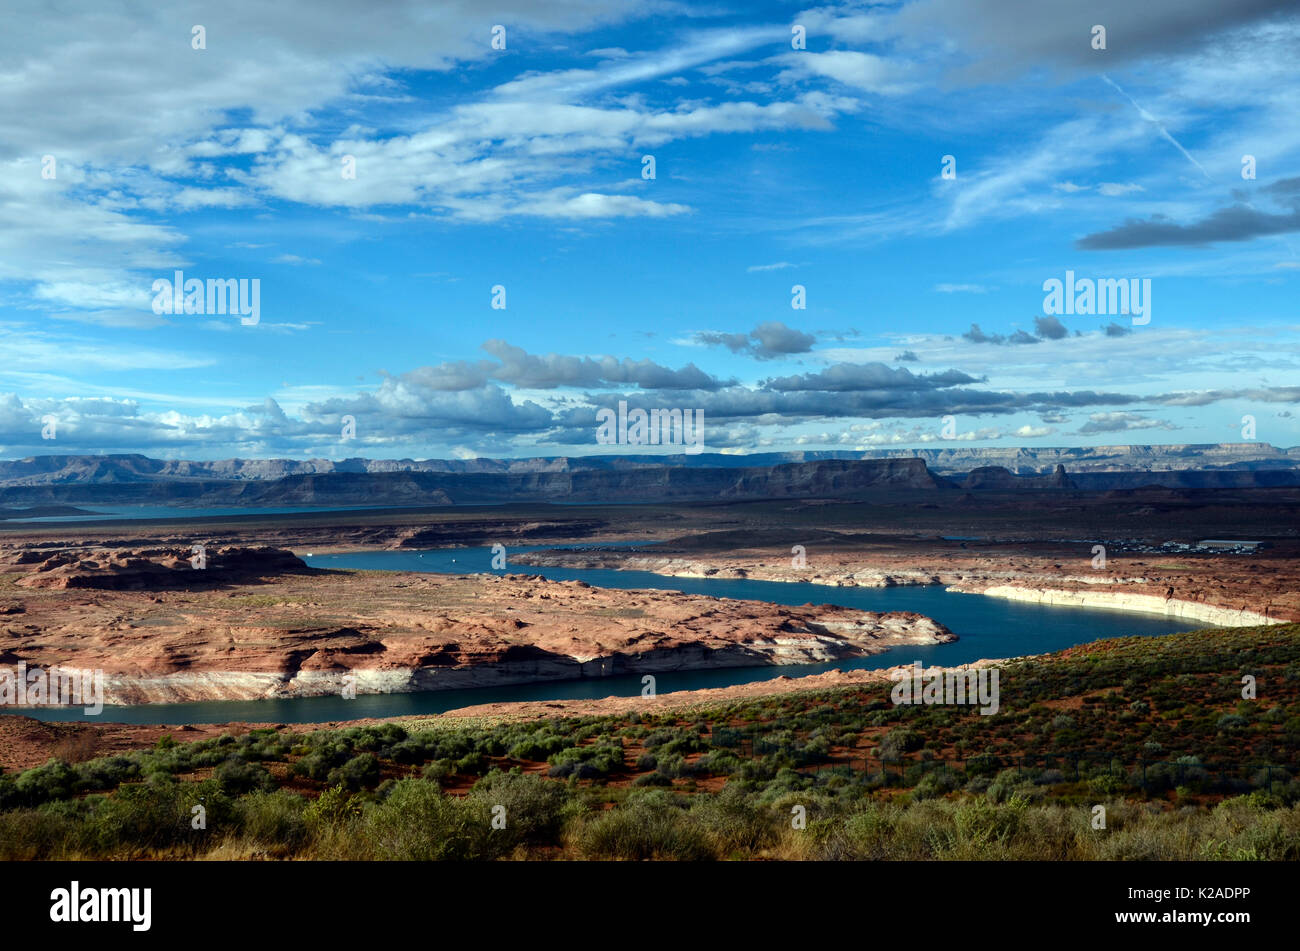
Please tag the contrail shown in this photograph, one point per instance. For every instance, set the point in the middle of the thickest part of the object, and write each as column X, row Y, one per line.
column 1158, row 124
column 1176, row 144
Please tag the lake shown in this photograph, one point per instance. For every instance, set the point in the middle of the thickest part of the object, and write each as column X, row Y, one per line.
column 987, row 628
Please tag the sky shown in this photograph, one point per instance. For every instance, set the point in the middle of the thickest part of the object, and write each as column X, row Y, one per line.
column 475, row 225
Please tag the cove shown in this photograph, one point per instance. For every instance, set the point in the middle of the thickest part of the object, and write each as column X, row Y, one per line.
column 987, row 628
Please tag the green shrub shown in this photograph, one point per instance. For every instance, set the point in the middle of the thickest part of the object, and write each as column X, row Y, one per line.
column 362, row 771
column 418, row 823
column 652, row 779
column 54, row 780
column 334, row 806
column 737, row 825
column 648, row 825
column 275, row 820
column 535, row 808
column 898, row 741
column 236, row 778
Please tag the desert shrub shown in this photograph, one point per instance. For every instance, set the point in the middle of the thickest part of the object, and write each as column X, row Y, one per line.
column 717, row 763
column 142, row 817
column 898, row 741
column 982, row 764
column 472, row 764
column 236, row 778
column 936, row 782
column 413, row 749
column 274, row 820
column 32, row 834
column 682, row 743
column 535, row 809
column 978, row 821
column 675, row 765
column 1006, row 784
column 652, row 779
column 318, row 763
column 380, row 739
column 439, row 771
column 816, row 750
column 418, row 823
column 360, row 772
column 738, row 827
column 334, row 806
column 599, row 759
column 51, row 781
column 649, row 825
column 105, row 773
column 537, row 748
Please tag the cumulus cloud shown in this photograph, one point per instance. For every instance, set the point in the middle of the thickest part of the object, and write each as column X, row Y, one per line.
column 1239, row 222
column 848, row 377
column 975, row 335
column 1121, row 422
column 1032, row 432
column 517, row 367
column 1045, row 328
column 1050, row 328
column 767, row 341
column 866, row 71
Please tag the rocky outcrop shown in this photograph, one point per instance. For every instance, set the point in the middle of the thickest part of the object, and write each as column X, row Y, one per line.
column 680, row 567
column 1125, row 601
column 998, row 477
column 1229, row 590
column 125, row 570
column 801, row 643
column 317, row 632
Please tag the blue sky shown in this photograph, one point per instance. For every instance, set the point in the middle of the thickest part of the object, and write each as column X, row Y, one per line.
column 522, row 167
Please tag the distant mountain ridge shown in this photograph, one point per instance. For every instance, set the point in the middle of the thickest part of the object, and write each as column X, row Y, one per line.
column 140, row 480
column 830, row 477
column 130, row 467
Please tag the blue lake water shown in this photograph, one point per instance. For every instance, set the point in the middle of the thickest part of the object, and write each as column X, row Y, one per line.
column 987, row 628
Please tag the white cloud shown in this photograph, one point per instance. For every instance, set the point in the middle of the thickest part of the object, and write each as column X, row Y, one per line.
column 1113, row 189
column 866, row 71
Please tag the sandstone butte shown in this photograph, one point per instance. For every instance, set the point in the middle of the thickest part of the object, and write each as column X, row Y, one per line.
column 258, row 622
